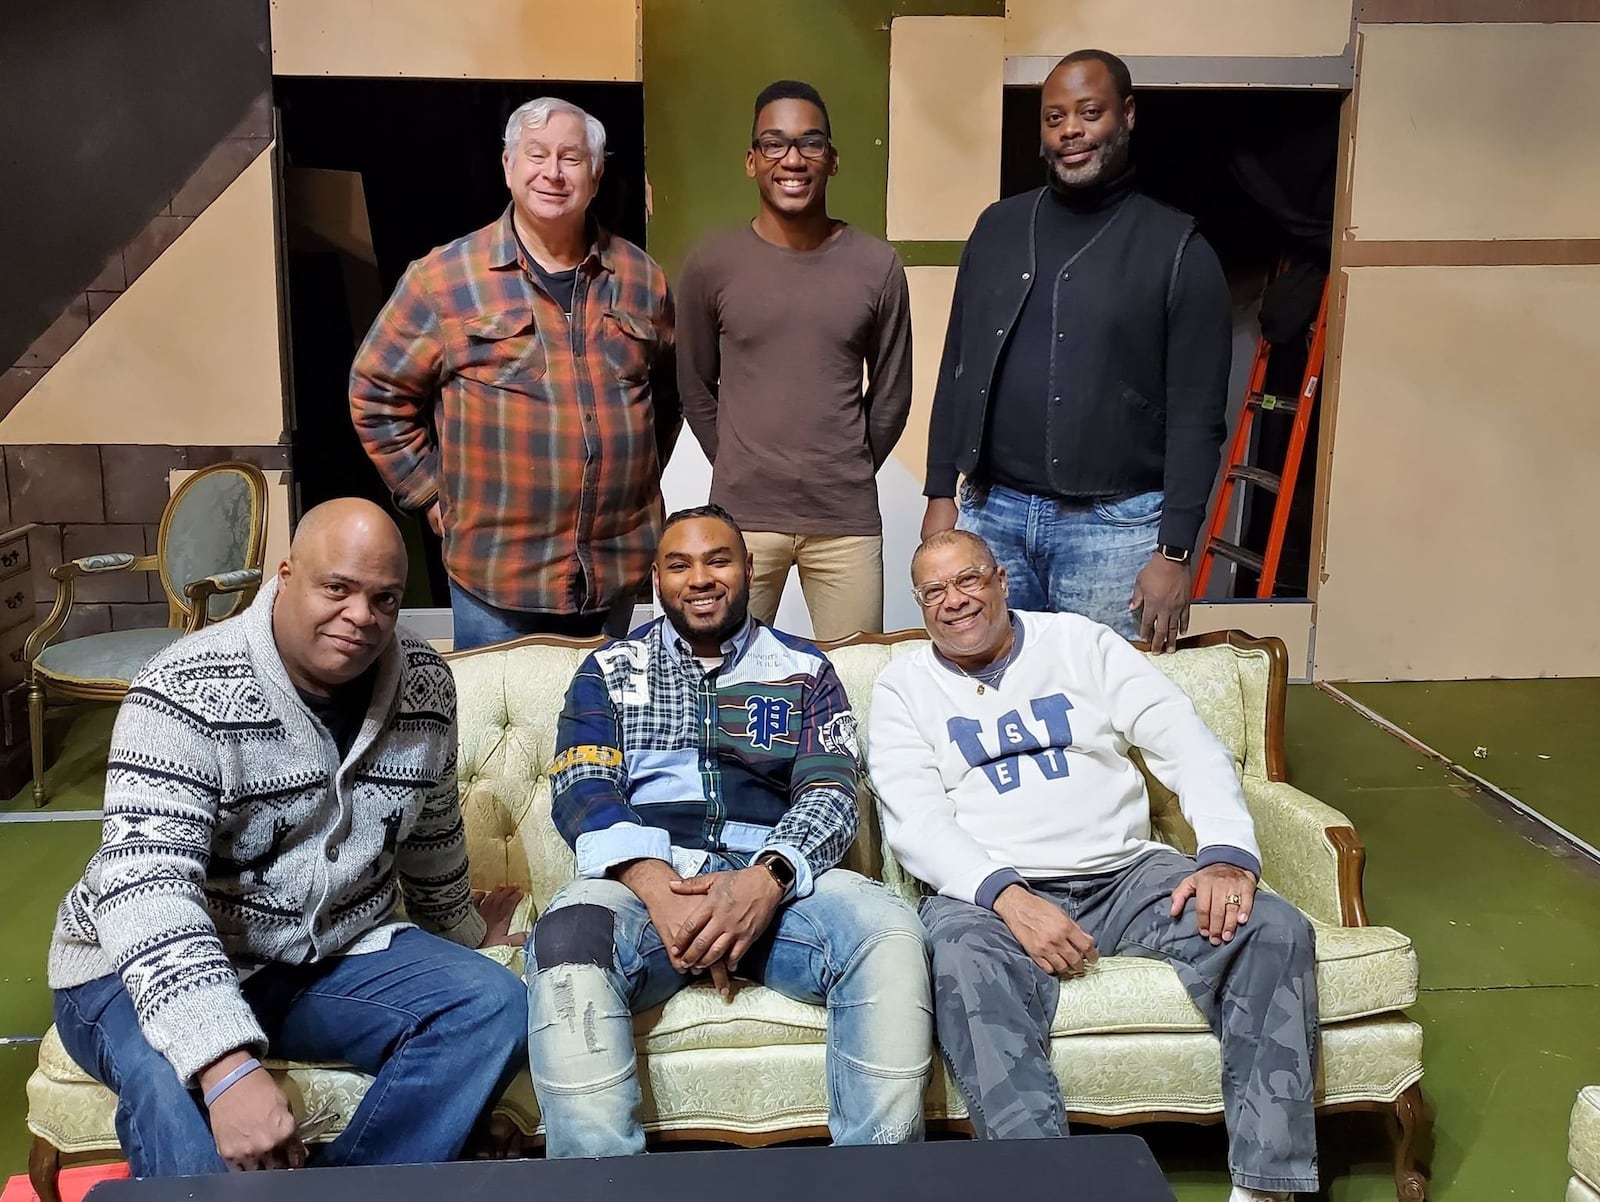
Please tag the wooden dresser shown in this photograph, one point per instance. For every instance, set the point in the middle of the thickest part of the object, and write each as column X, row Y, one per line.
column 17, row 620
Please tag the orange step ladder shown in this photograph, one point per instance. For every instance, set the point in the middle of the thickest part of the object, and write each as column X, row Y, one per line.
column 1239, row 470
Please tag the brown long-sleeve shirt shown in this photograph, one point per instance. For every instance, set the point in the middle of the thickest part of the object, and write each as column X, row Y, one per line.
column 771, row 347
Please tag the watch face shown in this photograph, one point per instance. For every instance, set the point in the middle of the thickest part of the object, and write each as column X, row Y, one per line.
column 781, row 869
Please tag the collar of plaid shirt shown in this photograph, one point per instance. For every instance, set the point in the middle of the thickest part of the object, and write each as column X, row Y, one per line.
column 678, row 647
column 506, row 252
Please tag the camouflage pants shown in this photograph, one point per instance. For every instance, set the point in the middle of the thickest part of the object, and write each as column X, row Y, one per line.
column 993, row 1009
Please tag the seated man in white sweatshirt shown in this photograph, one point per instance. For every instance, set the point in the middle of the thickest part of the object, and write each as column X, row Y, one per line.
column 1000, row 757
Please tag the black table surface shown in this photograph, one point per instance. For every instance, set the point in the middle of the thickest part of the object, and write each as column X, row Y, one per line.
column 1080, row 1168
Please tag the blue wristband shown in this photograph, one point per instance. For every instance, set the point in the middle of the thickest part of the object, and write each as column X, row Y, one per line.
column 232, row 1079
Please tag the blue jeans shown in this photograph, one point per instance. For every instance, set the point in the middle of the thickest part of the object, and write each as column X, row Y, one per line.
column 595, row 960
column 479, row 624
column 440, row 1027
column 1062, row 557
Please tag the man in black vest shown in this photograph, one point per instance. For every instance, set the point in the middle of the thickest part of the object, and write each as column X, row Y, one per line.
column 1083, row 388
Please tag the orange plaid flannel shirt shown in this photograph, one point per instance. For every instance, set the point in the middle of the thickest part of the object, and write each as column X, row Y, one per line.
column 543, row 439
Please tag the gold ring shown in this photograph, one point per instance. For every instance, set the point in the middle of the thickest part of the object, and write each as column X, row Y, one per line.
column 1234, row 899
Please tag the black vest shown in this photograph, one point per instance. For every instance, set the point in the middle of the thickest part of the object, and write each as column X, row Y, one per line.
column 1106, row 434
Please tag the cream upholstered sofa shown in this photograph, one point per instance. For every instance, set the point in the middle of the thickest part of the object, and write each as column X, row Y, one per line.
column 1583, row 1150
column 1129, row 1046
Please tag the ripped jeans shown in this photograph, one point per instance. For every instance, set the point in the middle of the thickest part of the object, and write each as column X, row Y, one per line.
column 594, row 961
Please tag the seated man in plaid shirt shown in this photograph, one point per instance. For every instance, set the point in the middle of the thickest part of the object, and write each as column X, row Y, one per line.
column 705, row 774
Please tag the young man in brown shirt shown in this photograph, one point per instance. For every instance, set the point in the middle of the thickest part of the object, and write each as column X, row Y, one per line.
column 776, row 321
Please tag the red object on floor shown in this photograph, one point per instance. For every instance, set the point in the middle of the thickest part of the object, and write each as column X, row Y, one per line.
column 74, row 1183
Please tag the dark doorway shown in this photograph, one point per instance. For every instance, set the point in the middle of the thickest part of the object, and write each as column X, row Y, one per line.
column 1257, row 168
column 377, row 173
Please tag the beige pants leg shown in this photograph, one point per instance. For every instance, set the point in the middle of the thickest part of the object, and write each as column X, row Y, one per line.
column 774, row 555
column 842, row 578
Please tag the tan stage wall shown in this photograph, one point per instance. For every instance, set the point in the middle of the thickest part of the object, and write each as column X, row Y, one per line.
column 483, row 39
column 1462, row 488
column 931, row 290
column 1179, row 28
column 190, row 354
column 944, row 158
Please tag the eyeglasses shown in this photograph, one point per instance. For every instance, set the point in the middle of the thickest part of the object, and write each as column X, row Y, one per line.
column 970, row 582
column 774, row 146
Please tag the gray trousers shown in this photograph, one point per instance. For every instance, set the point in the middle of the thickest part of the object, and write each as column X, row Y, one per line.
column 993, row 1008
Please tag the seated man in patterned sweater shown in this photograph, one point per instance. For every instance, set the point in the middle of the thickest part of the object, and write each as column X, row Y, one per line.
column 277, row 785
column 705, row 774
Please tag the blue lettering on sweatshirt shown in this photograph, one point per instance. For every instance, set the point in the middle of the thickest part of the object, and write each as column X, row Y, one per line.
column 1016, row 741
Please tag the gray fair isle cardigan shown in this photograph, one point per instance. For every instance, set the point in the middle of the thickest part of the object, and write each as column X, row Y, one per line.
column 234, row 837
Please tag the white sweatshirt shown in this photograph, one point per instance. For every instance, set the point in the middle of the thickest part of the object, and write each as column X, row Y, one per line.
column 1033, row 777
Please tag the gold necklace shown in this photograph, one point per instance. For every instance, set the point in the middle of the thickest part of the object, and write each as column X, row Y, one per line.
column 991, row 676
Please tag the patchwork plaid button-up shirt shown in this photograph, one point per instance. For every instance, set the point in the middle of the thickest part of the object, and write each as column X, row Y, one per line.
column 658, row 758
column 542, row 438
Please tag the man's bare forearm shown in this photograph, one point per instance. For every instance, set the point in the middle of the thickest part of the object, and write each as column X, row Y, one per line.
column 648, row 879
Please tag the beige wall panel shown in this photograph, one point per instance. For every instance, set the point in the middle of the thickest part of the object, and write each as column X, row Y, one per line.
column 944, row 159
column 189, row 355
column 1220, row 28
column 483, row 39
column 1290, row 621
column 932, row 289
column 277, row 548
column 1449, row 147
column 1463, row 488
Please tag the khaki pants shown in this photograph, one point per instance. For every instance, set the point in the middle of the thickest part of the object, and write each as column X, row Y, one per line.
column 841, row 576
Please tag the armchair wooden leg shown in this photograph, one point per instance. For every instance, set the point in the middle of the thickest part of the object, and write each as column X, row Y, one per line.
column 1413, row 1128
column 44, row 1169
column 36, row 737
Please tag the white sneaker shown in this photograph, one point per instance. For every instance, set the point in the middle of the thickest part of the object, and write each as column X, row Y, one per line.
column 1241, row 1194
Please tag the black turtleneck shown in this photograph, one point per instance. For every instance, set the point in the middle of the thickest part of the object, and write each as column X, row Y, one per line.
column 1016, row 454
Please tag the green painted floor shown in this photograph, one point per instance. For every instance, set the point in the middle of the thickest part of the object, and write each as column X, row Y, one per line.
column 1503, row 923
column 76, row 772
column 1537, row 737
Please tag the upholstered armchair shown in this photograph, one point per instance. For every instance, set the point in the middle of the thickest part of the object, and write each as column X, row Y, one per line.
column 208, row 556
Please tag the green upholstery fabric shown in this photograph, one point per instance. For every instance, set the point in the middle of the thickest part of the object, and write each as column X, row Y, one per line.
column 116, row 655
column 209, row 533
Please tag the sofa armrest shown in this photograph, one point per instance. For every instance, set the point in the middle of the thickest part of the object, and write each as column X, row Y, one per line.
column 1310, row 852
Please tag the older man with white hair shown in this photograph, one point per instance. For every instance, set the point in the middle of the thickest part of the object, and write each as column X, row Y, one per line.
column 519, row 389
